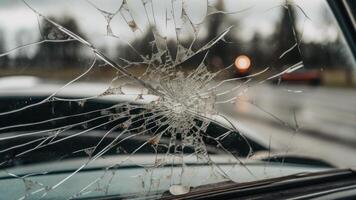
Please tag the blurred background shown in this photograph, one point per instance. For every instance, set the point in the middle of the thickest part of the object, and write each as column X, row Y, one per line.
column 262, row 31
column 318, row 100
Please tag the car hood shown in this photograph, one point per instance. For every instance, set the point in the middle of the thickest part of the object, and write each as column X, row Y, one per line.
column 128, row 179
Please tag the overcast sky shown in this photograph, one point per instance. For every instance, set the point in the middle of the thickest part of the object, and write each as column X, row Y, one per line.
column 258, row 16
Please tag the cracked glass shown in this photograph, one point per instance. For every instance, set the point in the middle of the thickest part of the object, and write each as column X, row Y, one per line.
column 143, row 98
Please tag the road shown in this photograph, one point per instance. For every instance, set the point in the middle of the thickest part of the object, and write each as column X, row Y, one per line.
column 313, row 121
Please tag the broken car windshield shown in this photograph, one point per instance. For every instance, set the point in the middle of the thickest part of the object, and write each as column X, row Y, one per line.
column 138, row 97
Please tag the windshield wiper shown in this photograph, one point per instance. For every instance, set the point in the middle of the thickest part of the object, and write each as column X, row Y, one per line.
column 299, row 186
